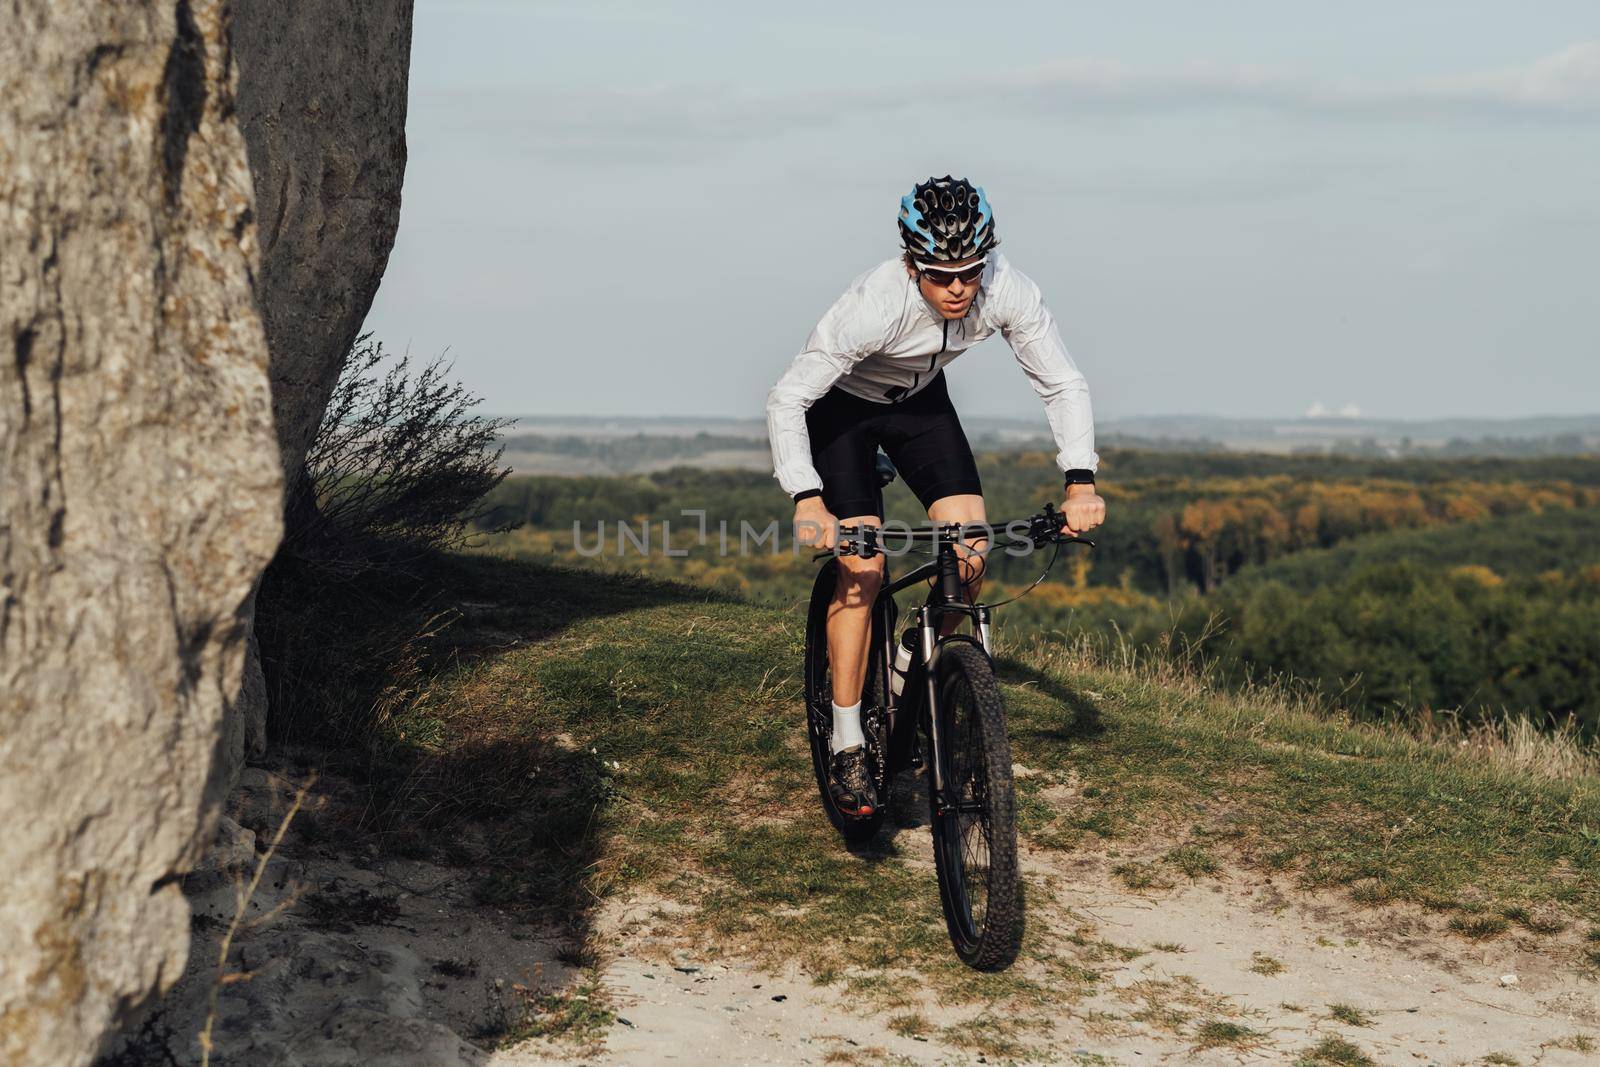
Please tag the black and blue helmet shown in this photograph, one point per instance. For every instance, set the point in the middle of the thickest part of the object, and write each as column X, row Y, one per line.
column 946, row 219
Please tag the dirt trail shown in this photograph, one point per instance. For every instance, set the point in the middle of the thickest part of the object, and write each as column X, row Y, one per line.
column 376, row 962
column 1242, row 948
column 1236, row 949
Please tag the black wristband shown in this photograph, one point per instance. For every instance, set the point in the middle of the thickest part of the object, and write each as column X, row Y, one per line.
column 1080, row 476
column 802, row 494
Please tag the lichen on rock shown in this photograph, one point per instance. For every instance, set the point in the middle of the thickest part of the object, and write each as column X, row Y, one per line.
column 139, row 494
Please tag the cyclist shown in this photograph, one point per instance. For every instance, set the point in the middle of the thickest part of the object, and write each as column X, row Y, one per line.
column 871, row 376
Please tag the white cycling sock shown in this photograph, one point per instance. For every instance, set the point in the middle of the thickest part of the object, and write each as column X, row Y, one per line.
column 847, row 727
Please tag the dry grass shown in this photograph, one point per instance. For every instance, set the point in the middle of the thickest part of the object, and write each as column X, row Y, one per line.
column 1512, row 742
column 1335, row 1052
column 1349, row 1015
column 1265, row 965
column 242, row 894
column 1517, row 743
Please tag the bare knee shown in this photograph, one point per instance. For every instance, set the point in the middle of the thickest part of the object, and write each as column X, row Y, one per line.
column 968, row 510
column 860, row 579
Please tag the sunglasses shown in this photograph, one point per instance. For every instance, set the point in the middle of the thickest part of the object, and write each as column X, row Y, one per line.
column 943, row 278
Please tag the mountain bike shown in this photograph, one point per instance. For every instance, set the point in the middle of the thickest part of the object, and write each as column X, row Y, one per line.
column 948, row 692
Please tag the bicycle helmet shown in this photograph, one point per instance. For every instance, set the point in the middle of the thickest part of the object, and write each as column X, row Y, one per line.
column 943, row 220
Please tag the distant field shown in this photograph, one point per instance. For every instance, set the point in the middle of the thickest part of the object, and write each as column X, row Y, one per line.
column 575, row 455
column 583, row 445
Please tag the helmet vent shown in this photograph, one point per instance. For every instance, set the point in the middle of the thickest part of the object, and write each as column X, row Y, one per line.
column 946, row 219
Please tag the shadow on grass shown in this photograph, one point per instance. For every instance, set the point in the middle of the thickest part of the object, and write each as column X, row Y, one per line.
column 1084, row 723
column 336, row 653
column 348, row 662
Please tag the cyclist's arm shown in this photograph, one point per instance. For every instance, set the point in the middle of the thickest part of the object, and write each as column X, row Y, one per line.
column 850, row 330
column 1030, row 329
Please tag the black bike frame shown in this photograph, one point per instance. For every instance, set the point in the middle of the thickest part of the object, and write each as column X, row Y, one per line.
column 944, row 597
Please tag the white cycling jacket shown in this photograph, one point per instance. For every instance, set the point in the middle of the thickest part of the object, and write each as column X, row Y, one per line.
column 882, row 341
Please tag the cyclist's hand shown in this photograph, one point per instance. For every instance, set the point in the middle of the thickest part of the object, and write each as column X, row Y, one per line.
column 814, row 524
column 1083, row 509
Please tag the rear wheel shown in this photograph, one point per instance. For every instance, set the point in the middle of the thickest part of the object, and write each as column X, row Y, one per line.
column 819, row 709
column 975, row 836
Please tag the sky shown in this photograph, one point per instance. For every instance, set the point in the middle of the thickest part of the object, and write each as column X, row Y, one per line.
column 1232, row 208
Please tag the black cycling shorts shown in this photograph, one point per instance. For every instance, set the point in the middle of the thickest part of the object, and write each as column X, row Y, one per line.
column 921, row 434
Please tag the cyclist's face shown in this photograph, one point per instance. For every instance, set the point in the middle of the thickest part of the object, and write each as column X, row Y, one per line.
column 950, row 293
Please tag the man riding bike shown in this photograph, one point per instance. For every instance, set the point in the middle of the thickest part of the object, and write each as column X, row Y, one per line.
column 871, row 376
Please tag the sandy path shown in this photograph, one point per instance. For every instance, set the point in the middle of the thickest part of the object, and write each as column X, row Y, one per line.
column 731, row 1013
column 405, row 968
column 1248, row 951
column 1238, row 949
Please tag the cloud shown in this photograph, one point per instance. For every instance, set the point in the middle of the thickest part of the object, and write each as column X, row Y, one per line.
column 1565, row 85
column 686, row 120
column 1568, row 79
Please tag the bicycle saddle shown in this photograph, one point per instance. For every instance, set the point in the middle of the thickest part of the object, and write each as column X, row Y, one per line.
column 885, row 470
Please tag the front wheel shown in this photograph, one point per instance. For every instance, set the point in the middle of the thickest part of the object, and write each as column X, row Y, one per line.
column 974, row 824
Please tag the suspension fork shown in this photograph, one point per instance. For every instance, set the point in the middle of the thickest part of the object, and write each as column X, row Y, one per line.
column 949, row 584
column 929, row 637
column 883, row 619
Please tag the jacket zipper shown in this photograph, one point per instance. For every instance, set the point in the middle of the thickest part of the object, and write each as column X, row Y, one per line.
column 933, row 359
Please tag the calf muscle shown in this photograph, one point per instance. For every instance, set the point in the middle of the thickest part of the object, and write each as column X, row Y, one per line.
column 850, row 619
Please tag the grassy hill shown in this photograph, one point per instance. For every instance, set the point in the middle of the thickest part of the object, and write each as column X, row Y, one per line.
column 609, row 734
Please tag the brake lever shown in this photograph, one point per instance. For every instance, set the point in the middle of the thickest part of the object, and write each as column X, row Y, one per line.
column 848, row 548
column 864, row 543
column 1046, row 529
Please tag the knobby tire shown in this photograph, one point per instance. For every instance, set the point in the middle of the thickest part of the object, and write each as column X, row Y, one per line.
column 975, row 850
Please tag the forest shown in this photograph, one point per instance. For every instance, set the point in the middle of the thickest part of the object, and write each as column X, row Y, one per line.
column 1395, row 587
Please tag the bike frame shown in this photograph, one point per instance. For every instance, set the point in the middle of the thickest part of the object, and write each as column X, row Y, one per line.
column 944, row 598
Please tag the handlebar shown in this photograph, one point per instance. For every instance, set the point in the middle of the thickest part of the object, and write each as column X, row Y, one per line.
column 1043, row 528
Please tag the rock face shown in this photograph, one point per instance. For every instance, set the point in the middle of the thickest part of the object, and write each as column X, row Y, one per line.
column 322, row 100
column 139, row 494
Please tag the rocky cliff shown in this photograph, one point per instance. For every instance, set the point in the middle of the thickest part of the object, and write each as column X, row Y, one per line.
column 139, row 493
column 197, row 201
column 322, row 102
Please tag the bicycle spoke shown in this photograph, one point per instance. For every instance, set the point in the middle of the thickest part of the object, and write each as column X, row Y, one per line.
column 970, row 809
column 974, row 828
